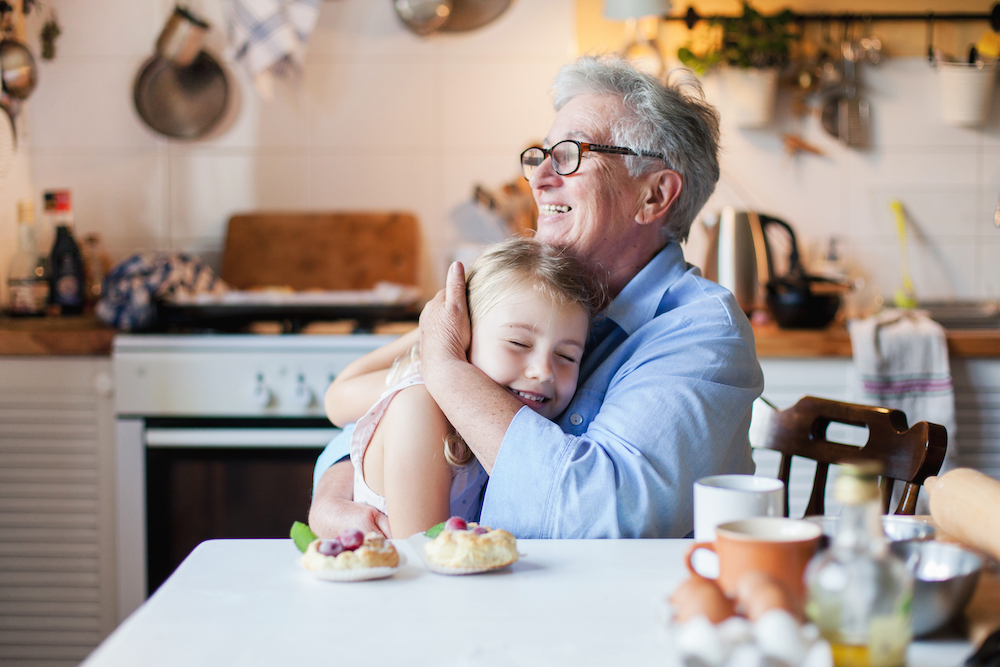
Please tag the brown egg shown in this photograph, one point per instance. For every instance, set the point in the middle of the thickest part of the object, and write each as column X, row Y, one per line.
column 757, row 593
column 699, row 596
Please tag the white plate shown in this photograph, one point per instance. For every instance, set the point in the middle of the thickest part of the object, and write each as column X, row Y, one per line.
column 361, row 574
column 419, row 540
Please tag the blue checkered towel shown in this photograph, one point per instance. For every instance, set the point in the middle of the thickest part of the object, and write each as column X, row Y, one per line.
column 133, row 287
column 269, row 36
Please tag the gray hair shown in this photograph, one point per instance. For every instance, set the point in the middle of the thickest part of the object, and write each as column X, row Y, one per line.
column 670, row 118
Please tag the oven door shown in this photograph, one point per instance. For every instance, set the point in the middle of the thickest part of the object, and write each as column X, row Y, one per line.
column 211, row 478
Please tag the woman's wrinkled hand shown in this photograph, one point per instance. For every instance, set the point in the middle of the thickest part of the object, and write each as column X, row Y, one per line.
column 445, row 330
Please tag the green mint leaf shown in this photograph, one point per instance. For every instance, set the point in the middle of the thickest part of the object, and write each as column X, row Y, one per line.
column 434, row 531
column 302, row 535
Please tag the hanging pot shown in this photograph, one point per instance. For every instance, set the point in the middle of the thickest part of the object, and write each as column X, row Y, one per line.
column 17, row 69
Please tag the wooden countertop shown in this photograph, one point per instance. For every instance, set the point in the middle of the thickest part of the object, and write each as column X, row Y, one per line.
column 834, row 341
column 76, row 335
column 86, row 335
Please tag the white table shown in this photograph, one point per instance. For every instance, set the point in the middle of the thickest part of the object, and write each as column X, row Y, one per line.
column 566, row 602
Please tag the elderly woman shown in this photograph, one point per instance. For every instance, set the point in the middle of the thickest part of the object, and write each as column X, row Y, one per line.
column 670, row 371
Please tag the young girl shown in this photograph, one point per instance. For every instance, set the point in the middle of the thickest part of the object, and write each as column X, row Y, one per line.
column 530, row 307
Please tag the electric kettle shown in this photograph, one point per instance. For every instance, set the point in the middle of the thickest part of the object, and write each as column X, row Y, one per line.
column 740, row 259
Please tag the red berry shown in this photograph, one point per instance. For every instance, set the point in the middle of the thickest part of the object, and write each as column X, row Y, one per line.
column 455, row 523
column 480, row 530
column 351, row 538
column 330, row 547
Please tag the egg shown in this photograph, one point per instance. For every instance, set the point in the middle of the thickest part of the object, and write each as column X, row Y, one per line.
column 757, row 594
column 778, row 635
column 699, row 596
column 699, row 639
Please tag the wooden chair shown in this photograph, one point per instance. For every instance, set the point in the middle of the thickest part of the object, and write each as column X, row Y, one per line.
column 909, row 455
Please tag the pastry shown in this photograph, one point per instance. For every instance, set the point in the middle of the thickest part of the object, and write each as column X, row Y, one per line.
column 471, row 547
column 350, row 551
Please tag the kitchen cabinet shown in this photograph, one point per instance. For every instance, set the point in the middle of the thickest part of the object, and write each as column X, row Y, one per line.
column 976, row 381
column 57, row 556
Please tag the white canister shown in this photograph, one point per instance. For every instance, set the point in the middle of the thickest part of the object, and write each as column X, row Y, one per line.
column 966, row 92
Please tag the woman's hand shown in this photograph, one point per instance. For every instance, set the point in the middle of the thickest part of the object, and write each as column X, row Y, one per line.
column 445, row 330
column 333, row 508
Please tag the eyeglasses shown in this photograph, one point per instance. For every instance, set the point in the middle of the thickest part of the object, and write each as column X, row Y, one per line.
column 567, row 153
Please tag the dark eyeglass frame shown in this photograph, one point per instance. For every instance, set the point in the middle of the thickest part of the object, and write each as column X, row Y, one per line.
column 584, row 147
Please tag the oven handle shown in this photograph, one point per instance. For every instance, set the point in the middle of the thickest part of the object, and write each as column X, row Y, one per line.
column 269, row 438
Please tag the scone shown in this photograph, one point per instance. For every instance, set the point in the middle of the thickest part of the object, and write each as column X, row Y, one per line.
column 350, row 551
column 471, row 547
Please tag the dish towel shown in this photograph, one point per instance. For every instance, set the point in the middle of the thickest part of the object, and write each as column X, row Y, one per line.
column 133, row 287
column 269, row 37
column 901, row 359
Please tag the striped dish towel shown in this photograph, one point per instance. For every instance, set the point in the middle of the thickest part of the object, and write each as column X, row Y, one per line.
column 901, row 359
column 269, row 37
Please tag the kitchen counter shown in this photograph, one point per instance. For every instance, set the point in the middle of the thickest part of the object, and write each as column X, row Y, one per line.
column 86, row 335
column 76, row 335
column 834, row 341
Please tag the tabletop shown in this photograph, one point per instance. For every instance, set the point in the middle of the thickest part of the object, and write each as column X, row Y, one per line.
column 565, row 602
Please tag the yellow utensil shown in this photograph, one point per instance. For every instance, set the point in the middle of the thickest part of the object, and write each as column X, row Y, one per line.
column 904, row 298
column 989, row 45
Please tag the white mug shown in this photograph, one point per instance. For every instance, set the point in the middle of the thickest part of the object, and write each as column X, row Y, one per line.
column 723, row 498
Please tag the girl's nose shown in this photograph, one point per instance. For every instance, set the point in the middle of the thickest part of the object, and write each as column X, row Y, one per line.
column 540, row 368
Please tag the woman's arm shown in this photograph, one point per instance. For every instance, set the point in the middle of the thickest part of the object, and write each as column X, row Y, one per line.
column 360, row 384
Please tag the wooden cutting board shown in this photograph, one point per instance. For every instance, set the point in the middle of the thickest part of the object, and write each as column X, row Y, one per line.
column 326, row 251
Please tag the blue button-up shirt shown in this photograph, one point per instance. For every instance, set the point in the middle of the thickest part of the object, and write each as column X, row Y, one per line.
column 664, row 399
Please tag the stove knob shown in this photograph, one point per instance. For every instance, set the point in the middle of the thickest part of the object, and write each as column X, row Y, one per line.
column 260, row 395
column 303, row 396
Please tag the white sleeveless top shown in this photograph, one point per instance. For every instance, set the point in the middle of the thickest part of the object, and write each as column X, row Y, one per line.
column 467, row 482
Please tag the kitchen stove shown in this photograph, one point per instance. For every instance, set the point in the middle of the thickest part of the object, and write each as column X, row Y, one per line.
column 216, row 437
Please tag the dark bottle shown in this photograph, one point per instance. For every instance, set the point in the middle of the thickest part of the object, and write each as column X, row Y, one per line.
column 65, row 260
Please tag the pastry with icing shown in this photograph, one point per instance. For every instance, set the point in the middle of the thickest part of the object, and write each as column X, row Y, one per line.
column 351, row 550
column 470, row 546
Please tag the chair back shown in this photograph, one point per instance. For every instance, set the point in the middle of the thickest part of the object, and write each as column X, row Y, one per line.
column 909, row 455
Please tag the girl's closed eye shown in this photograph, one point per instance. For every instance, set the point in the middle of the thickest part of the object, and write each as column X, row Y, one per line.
column 517, row 343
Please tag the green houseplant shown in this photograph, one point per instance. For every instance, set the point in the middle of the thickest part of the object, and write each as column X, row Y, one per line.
column 749, row 40
column 745, row 56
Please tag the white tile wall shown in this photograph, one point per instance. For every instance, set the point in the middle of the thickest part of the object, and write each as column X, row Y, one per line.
column 947, row 178
column 382, row 118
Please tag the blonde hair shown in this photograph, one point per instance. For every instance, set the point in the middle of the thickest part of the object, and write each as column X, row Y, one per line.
column 514, row 264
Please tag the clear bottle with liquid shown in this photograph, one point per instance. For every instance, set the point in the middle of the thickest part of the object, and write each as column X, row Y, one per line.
column 65, row 260
column 96, row 265
column 859, row 594
column 28, row 278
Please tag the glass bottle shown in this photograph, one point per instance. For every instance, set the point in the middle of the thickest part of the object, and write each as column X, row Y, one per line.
column 65, row 260
column 96, row 265
column 27, row 279
column 859, row 593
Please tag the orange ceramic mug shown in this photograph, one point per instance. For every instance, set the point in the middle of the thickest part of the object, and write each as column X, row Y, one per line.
column 775, row 546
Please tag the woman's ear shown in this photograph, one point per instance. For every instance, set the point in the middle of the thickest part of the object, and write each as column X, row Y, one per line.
column 660, row 192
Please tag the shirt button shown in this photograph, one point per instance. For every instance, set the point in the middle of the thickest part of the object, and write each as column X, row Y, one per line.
column 575, row 420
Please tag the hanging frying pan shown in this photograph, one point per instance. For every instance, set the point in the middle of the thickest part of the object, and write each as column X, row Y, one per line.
column 181, row 92
column 181, row 102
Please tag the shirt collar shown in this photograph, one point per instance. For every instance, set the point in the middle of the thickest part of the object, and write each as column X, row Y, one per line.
column 637, row 303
